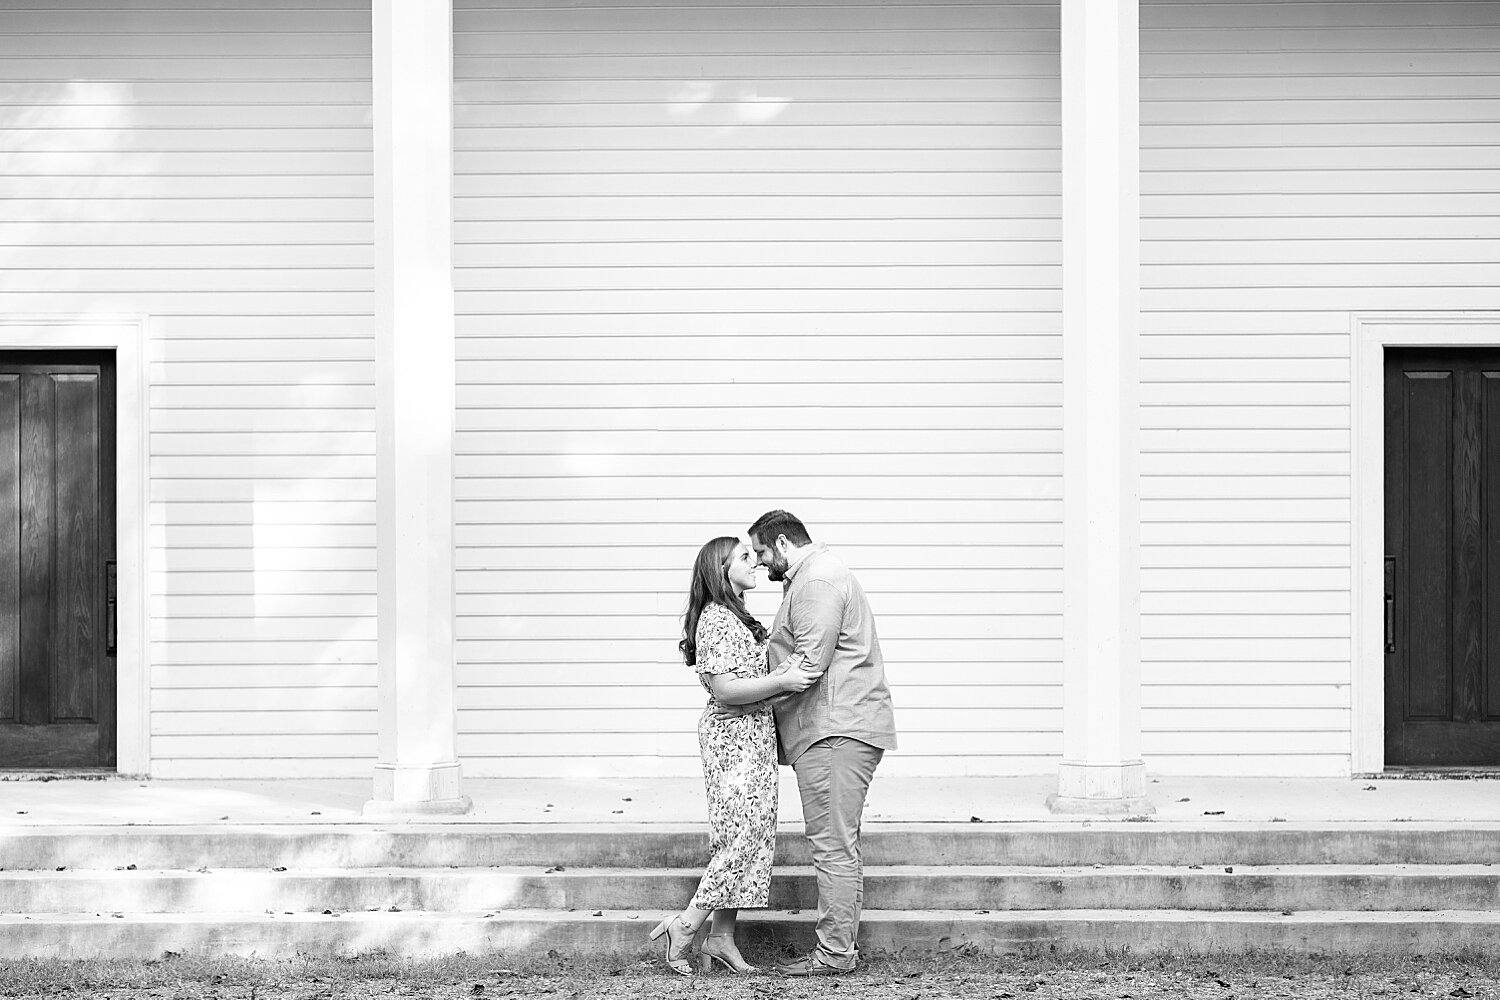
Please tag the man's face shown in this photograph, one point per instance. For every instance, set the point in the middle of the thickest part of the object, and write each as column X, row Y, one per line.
column 772, row 557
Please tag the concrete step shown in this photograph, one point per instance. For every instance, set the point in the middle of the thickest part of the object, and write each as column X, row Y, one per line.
column 893, row 887
column 142, row 936
column 480, row 845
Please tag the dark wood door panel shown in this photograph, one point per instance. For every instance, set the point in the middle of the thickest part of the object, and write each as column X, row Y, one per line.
column 10, row 547
column 78, row 605
column 1447, row 744
column 1442, row 498
column 56, row 541
column 1428, row 562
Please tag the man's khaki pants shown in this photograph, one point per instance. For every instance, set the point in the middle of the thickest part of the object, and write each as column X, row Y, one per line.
column 833, row 776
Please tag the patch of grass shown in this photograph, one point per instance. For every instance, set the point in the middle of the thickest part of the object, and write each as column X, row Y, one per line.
column 967, row 974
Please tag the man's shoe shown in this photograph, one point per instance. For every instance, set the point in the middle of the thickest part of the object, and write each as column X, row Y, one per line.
column 808, row 965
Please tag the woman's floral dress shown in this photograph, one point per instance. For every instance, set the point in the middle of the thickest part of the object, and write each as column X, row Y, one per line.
column 739, row 768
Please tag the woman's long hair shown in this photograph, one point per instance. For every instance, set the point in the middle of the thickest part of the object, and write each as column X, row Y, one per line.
column 711, row 586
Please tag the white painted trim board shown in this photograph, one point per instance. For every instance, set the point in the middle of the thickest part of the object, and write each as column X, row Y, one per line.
column 1371, row 334
column 126, row 336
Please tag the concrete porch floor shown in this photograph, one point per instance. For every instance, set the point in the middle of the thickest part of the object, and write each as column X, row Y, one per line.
column 32, row 800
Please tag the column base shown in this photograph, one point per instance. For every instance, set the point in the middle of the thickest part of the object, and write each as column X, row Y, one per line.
column 1101, row 790
column 418, row 790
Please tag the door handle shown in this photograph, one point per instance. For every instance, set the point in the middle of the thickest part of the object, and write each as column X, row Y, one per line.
column 111, row 607
column 1390, row 604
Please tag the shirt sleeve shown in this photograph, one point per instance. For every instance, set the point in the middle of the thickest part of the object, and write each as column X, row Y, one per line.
column 816, row 619
column 716, row 642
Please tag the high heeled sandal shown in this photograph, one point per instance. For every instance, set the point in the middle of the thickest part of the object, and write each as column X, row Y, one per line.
column 708, row 955
column 678, row 949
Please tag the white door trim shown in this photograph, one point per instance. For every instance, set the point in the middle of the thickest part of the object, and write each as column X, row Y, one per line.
column 126, row 336
column 1370, row 336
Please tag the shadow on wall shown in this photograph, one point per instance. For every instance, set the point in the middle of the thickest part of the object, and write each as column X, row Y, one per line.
column 734, row 105
column 263, row 630
column 66, row 158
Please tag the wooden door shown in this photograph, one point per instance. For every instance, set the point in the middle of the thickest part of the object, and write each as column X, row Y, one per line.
column 1442, row 568
column 57, row 551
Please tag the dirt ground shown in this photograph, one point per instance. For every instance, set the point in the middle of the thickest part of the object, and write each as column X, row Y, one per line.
column 964, row 977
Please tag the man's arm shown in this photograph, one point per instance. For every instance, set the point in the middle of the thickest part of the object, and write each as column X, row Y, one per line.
column 816, row 619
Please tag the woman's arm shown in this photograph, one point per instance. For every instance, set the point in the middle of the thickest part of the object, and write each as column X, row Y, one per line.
column 731, row 690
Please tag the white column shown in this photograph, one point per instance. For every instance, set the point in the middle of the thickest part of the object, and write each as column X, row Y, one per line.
column 418, row 770
column 1101, row 770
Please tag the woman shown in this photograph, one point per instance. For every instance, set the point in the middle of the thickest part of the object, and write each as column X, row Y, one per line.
column 727, row 646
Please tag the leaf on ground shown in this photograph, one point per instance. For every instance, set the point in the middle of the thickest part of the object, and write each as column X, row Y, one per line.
column 554, row 868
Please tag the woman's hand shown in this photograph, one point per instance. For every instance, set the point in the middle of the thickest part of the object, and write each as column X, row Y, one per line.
column 797, row 678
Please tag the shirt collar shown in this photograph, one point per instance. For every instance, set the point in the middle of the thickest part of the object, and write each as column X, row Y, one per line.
column 801, row 559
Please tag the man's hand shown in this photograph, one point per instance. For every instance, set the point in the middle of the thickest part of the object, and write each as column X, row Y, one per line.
column 723, row 711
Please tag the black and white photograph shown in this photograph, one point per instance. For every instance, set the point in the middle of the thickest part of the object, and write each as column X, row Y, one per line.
column 797, row 499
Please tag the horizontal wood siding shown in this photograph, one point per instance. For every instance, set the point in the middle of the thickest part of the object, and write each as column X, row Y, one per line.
column 714, row 259
column 208, row 165
column 1300, row 162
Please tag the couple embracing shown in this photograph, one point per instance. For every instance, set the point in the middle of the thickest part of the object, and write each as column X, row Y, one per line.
column 810, row 693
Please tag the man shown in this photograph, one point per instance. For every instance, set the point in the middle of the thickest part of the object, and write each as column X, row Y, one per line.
column 834, row 733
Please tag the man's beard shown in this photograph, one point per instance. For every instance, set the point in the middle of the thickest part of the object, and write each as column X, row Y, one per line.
column 777, row 568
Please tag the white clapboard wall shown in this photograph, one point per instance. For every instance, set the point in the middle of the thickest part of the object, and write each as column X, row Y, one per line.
column 716, row 258
column 207, row 166
column 1301, row 162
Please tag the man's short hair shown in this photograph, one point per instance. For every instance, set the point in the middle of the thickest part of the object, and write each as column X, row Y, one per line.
column 775, row 523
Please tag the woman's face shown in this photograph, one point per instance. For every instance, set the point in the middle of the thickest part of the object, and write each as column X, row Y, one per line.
column 741, row 569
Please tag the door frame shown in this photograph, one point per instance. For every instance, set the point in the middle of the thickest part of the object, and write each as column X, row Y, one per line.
column 1370, row 335
column 126, row 336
